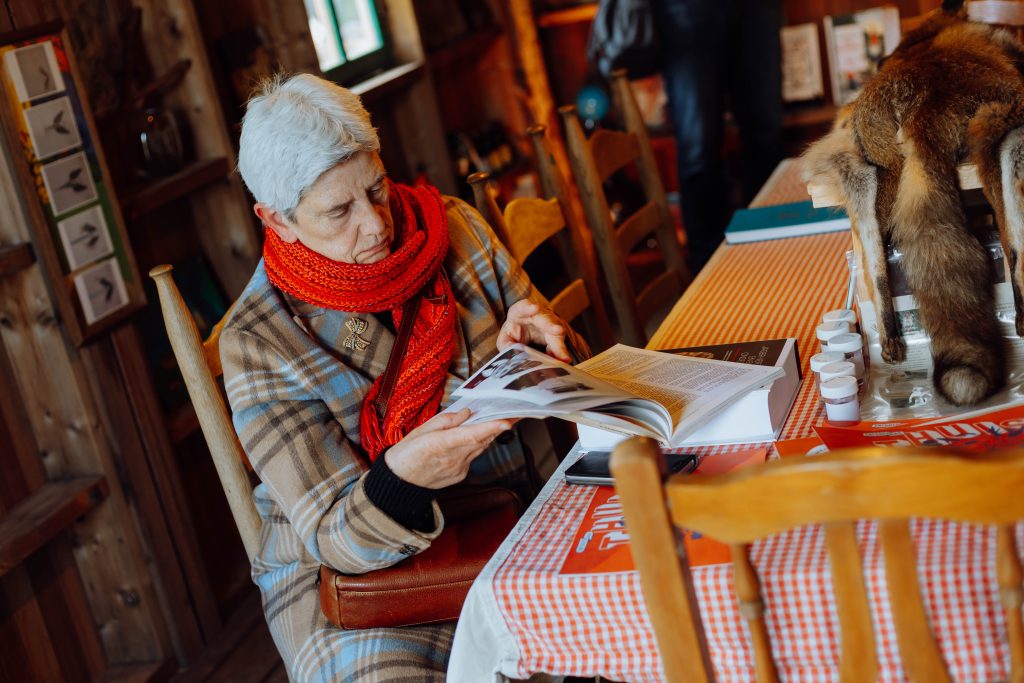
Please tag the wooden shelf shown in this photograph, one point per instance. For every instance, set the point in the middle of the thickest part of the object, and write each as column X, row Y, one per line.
column 571, row 15
column 147, row 198
column 182, row 422
column 809, row 116
column 15, row 257
column 388, row 82
column 469, row 47
column 52, row 508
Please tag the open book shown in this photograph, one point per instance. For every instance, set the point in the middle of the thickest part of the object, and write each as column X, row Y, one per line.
column 627, row 390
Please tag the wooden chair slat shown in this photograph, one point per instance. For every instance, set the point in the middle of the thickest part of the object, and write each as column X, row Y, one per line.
column 576, row 240
column 638, row 468
column 483, row 198
column 613, row 150
column 534, row 221
column 592, row 162
column 857, row 659
column 918, row 649
column 887, row 485
column 658, row 293
column 571, row 301
column 595, row 206
column 642, row 223
column 214, row 419
column 1011, row 594
column 863, row 483
column 748, row 590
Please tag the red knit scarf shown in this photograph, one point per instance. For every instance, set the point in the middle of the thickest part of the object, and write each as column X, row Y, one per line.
column 414, row 266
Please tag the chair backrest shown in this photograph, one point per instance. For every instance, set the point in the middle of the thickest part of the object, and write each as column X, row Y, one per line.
column 526, row 223
column 200, row 366
column 834, row 490
column 593, row 160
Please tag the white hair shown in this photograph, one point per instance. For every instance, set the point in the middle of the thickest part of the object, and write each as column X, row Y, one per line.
column 296, row 128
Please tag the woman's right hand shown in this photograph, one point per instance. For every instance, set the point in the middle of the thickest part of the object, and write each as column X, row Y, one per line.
column 438, row 452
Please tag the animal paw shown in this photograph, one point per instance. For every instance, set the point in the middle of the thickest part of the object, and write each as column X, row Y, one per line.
column 894, row 349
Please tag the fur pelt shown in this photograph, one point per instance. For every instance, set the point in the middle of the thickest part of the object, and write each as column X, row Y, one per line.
column 951, row 90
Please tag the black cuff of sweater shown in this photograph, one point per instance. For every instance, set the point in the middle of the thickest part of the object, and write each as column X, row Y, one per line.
column 407, row 504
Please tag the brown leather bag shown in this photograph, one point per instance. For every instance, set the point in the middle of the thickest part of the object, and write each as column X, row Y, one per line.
column 429, row 587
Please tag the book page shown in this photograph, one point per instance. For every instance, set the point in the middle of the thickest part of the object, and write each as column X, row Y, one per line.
column 521, row 382
column 691, row 389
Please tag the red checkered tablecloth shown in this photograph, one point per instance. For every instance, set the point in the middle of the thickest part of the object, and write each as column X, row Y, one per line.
column 596, row 623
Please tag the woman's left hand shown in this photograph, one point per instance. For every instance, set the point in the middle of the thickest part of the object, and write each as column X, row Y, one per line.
column 530, row 323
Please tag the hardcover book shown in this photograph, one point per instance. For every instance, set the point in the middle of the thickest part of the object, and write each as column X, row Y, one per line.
column 627, row 391
column 755, row 417
column 784, row 220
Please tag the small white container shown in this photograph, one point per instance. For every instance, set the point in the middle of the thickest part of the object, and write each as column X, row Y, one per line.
column 843, row 368
column 826, row 331
column 820, row 360
column 852, row 346
column 840, row 396
column 843, row 315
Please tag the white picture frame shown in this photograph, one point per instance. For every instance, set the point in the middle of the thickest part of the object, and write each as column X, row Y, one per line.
column 52, row 127
column 69, row 183
column 101, row 290
column 85, row 237
column 34, row 71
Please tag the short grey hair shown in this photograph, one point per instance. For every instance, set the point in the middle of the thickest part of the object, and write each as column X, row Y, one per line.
column 296, row 128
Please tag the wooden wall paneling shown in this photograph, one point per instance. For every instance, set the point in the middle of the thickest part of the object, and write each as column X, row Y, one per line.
column 6, row 21
column 287, row 28
column 227, row 230
column 63, row 420
column 26, row 13
column 155, row 490
column 29, row 655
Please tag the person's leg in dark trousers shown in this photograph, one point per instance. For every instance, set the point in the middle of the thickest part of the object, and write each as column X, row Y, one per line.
column 755, row 85
column 693, row 40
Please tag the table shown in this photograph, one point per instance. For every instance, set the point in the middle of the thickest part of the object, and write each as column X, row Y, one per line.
column 522, row 616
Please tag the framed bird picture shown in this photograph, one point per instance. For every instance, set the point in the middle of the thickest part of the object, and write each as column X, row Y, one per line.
column 79, row 233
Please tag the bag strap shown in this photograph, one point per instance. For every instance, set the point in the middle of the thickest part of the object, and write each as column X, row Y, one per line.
column 387, row 384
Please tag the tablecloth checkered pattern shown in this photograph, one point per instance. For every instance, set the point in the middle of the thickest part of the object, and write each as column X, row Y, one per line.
column 597, row 624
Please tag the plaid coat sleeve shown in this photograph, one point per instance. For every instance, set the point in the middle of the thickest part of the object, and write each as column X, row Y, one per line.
column 513, row 282
column 298, row 447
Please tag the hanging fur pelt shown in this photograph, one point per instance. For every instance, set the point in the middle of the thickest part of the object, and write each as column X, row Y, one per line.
column 951, row 91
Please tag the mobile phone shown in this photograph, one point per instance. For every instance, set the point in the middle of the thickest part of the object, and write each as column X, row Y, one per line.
column 593, row 468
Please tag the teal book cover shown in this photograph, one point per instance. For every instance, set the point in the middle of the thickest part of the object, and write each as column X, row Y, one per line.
column 784, row 220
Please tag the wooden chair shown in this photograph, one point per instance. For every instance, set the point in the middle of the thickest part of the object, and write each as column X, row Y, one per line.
column 526, row 223
column 593, row 160
column 833, row 490
column 200, row 366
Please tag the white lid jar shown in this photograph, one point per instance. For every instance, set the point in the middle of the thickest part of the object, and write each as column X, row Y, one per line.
column 819, row 360
column 825, row 332
column 843, row 315
column 851, row 345
column 840, row 396
column 843, row 368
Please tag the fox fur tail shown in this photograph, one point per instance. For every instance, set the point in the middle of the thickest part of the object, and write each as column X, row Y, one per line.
column 947, row 269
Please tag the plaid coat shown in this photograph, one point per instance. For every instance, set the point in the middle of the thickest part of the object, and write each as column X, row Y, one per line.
column 295, row 390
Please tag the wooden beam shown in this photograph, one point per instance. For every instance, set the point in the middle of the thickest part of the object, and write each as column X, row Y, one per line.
column 15, row 257
column 45, row 513
column 149, row 672
column 194, row 176
column 228, row 232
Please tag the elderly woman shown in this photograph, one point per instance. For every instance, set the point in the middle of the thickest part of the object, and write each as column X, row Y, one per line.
column 304, row 351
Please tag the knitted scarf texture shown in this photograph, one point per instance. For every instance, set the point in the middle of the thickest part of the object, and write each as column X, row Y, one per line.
column 413, row 267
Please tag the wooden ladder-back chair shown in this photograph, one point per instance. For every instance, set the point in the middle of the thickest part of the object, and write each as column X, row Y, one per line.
column 200, row 366
column 525, row 224
column 835, row 490
column 593, row 160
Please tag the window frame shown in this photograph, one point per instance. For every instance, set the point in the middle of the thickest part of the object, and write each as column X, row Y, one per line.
column 361, row 68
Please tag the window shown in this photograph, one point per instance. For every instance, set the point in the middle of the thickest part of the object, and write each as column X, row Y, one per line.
column 348, row 38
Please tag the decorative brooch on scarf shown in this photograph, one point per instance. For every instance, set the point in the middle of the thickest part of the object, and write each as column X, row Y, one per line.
column 356, row 326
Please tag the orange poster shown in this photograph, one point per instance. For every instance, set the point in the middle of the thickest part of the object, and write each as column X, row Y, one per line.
column 601, row 543
column 979, row 430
